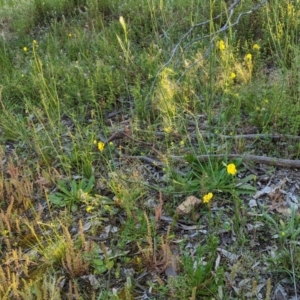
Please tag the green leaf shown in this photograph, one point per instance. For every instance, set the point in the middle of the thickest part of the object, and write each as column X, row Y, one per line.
column 74, row 188
column 74, row 207
column 62, row 186
column 295, row 234
column 194, row 163
column 57, row 200
column 245, row 188
column 99, row 266
column 91, row 183
column 81, row 185
column 97, row 262
column 100, row 270
column 247, row 178
column 109, row 265
column 270, row 219
column 190, row 158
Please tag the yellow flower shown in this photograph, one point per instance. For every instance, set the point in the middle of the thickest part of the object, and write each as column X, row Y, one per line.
column 182, row 143
column 34, row 41
column 89, row 208
column 231, row 169
column 232, row 75
column 168, row 129
column 25, row 49
column 70, row 35
column 101, row 146
column 207, row 197
column 248, row 56
column 256, row 47
column 221, row 45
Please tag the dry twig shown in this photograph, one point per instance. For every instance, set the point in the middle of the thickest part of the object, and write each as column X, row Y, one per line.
column 277, row 162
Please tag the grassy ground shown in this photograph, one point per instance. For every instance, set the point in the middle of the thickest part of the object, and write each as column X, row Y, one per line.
column 113, row 113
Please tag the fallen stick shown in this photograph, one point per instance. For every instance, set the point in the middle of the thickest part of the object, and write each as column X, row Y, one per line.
column 277, row 162
column 255, row 136
column 273, row 137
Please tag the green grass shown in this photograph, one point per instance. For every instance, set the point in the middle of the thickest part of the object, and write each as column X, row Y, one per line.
column 158, row 83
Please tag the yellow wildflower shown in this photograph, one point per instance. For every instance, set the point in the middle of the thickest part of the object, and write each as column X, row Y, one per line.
column 89, row 208
column 70, row 35
column 248, row 57
column 256, row 47
column 168, row 129
column 207, row 197
column 182, row 143
column 138, row 260
column 221, row 45
column 232, row 75
column 25, row 49
column 101, row 146
column 34, row 42
column 231, row 169
column 5, row 232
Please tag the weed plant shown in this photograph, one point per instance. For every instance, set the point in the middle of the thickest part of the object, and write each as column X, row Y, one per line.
column 92, row 93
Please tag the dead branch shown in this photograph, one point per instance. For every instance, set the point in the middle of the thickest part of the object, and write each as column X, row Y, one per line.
column 228, row 24
column 273, row 161
column 273, row 137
